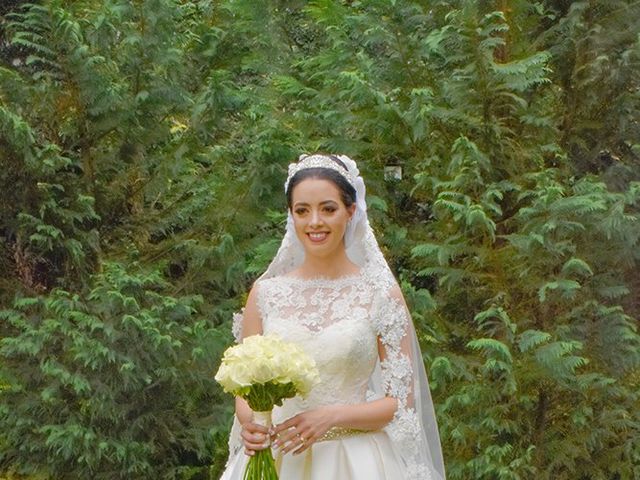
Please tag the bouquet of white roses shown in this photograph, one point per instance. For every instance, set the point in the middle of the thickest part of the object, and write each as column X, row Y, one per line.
column 265, row 370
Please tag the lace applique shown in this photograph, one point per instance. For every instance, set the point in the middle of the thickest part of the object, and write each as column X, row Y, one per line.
column 391, row 322
column 236, row 326
column 397, row 376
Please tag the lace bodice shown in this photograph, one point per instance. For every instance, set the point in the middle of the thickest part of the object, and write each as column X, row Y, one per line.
column 340, row 323
column 332, row 319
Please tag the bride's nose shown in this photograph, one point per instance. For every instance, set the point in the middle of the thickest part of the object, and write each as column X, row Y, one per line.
column 315, row 219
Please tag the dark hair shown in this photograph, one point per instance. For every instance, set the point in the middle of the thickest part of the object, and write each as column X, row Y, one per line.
column 347, row 192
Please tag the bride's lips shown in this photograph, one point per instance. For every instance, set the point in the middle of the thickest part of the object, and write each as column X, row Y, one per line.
column 317, row 237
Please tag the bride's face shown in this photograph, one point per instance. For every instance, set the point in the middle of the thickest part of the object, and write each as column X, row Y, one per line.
column 320, row 216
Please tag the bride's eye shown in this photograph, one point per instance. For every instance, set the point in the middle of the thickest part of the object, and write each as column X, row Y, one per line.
column 300, row 211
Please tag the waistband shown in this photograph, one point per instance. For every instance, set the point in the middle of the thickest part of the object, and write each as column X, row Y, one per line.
column 337, row 433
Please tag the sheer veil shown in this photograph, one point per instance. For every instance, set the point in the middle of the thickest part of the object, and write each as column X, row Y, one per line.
column 413, row 430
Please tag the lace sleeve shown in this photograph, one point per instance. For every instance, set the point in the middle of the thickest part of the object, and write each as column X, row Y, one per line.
column 236, row 325
column 398, row 369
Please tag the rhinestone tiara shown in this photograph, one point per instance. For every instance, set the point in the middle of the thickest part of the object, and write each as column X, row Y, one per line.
column 318, row 161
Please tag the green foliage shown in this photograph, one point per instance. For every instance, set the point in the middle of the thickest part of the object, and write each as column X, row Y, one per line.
column 596, row 44
column 112, row 384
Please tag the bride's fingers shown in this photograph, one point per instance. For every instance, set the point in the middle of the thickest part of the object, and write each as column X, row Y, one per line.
column 297, row 440
column 285, row 437
column 258, row 438
column 255, row 446
column 255, row 428
column 255, row 440
column 251, row 447
column 283, row 428
column 304, row 445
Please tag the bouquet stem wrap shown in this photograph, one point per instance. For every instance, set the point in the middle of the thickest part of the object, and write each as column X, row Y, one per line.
column 261, row 465
column 263, row 418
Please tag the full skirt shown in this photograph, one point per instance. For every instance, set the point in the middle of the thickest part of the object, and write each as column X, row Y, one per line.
column 366, row 456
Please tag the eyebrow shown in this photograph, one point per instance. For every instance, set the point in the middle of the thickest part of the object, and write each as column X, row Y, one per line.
column 305, row 204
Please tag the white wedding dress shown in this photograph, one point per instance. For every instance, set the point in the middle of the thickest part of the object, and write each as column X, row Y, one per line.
column 340, row 322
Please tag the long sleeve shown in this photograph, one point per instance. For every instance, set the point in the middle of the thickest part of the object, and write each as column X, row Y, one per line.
column 399, row 369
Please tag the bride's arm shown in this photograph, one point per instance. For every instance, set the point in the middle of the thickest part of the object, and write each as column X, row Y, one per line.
column 254, row 435
column 313, row 424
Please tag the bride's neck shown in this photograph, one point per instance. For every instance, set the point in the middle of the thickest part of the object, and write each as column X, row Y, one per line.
column 337, row 265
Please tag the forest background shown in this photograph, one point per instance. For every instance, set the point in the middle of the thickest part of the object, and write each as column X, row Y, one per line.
column 143, row 149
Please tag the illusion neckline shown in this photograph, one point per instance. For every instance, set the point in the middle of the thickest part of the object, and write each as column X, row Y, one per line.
column 323, row 279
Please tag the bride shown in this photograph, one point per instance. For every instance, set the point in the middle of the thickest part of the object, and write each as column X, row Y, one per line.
column 330, row 290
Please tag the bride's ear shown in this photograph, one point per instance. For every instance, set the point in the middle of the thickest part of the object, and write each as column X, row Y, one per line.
column 352, row 210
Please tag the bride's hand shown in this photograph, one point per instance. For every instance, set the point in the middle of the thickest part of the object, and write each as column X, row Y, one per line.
column 255, row 437
column 302, row 430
